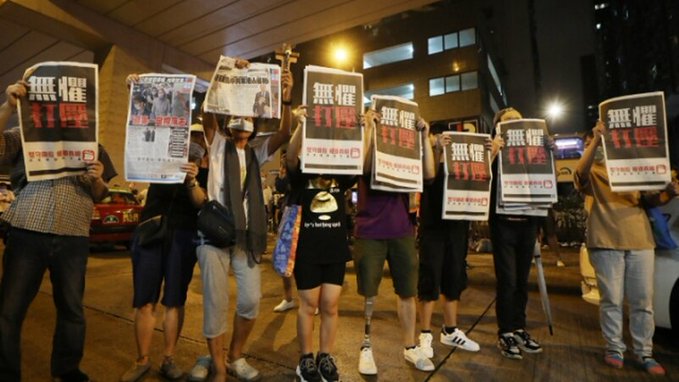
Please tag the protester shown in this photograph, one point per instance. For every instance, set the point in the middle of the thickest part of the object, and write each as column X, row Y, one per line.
column 384, row 231
column 620, row 245
column 443, row 253
column 234, row 181
column 282, row 184
column 513, row 239
column 169, row 262
column 320, row 264
column 50, row 224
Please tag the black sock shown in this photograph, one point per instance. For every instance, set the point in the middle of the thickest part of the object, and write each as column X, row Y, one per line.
column 449, row 329
column 410, row 347
column 323, row 355
column 425, row 331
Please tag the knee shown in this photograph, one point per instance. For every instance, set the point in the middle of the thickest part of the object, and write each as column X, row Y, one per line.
column 248, row 306
column 329, row 308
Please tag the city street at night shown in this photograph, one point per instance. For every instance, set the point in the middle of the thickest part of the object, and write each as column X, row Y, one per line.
column 574, row 353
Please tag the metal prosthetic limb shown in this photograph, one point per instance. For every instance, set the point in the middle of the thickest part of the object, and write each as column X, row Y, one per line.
column 368, row 310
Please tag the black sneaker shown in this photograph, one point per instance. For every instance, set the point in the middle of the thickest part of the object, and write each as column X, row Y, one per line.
column 327, row 367
column 73, row 376
column 526, row 342
column 508, row 346
column 306, row 370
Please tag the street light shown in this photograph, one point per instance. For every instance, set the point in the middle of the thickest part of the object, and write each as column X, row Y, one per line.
column 555, row 110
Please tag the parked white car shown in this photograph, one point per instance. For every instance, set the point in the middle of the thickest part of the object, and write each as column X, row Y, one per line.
column 666, row 294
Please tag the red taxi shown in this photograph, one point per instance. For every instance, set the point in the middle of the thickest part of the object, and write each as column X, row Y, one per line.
column 115, row 218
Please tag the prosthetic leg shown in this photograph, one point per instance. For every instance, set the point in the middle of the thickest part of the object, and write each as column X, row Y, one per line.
column 366, row 362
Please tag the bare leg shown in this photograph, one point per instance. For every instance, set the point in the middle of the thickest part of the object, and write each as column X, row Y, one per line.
column 287, row 288
column 216, row 347
column 450, row 312
column 144, row 323
column 329, row 316
column 407, row 315
column 426, row 310
column 241, row 330
column 308, row 302
column 172, row 326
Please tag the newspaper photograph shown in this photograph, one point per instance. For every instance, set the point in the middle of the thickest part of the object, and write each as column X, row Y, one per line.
column 397, row 155
column 157, row 134
column 332, row 136
column 59, row 119
column 635, row 142
column 466, row 193
column 254, row 91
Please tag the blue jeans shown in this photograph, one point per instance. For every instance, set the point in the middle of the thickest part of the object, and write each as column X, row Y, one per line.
column 621, row 274
column 27, row 255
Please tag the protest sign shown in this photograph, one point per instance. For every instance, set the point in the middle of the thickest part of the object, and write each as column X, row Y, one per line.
column 59, row 119
column 635, row 142
column 249, row 92
column 397, row 155
column 466, row 193
column 332, row 136
column 157, row 139
column 526, row 165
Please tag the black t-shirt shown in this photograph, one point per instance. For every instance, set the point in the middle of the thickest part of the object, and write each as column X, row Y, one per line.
column 173, row 199
column 323, row 228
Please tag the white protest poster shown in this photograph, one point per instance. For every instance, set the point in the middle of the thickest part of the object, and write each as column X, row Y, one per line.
column 466, row 186
column 332, row 137
column 254, row 91
column 157, row 134
column 59, row 119
column 526, row 166
column 635, row 142
column 397, row 149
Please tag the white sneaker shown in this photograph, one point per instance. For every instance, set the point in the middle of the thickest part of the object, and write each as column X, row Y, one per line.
column 242, row 370
column 418, row 359
column 425, row 344
column 366, row 362
column 458, row 339
column 201, row 369
column 284, row 305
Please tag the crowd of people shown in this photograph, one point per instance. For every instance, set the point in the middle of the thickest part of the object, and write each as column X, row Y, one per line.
column 50, row 225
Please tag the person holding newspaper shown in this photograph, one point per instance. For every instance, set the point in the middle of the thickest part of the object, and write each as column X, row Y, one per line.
column 443, row 253
column 234, row 181
column 513, row 237
column 384, row 231
column 320, row 264
column 50, row 227
column 169, row 261
column 621, row 248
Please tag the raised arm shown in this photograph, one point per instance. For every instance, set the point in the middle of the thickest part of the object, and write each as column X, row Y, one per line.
column 370, row 121
column 584, row 166
column 283, row 134
column 295, row 145
column 428, row 170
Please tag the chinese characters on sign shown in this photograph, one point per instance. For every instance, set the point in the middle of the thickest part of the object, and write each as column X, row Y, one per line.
column 397, row 164
column 157, row 139
column 58, row 118
column 332, row 138
column 466, row 193
column 635, row 142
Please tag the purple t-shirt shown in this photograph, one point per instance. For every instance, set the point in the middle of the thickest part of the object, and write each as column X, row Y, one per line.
column 381, row 215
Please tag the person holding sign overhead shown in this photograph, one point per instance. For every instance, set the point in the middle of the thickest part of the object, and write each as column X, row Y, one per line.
column 620, row 244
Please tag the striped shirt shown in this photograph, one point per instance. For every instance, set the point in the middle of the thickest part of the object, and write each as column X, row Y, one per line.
column 60, row 206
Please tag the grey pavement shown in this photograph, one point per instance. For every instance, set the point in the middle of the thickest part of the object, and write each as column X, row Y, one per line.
column 573, row 353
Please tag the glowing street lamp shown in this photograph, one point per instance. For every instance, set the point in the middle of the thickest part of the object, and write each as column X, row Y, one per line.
column 555, row 110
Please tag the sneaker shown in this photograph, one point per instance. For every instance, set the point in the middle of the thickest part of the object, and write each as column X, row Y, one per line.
column 366, row 362
column 169, row 369
column 614, row 360
column 508, row 346
column 135, row 372
column 242, row 370
column 201, row 370
column 458, row 339
column 327, row 367
column 284, row 305
column 73, row 376
column 560, row 264
column 526, row 342
column 418, row 359
column 425, row 344
column 307, row 371
column 652, row 366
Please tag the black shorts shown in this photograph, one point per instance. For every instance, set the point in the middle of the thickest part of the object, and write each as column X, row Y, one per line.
column 443, row 252
column 310, row 276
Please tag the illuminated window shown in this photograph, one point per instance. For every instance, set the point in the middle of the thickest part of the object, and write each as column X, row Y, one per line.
column 388, row 55
column 406, row 91
column 435, row 44
column 450, row 41
column 453, row 40
column 437, row 86
column 469, row 80
column 453, row 83
column 467, row 37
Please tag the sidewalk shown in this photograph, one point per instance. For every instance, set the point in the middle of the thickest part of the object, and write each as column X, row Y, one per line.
column 573, row 354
